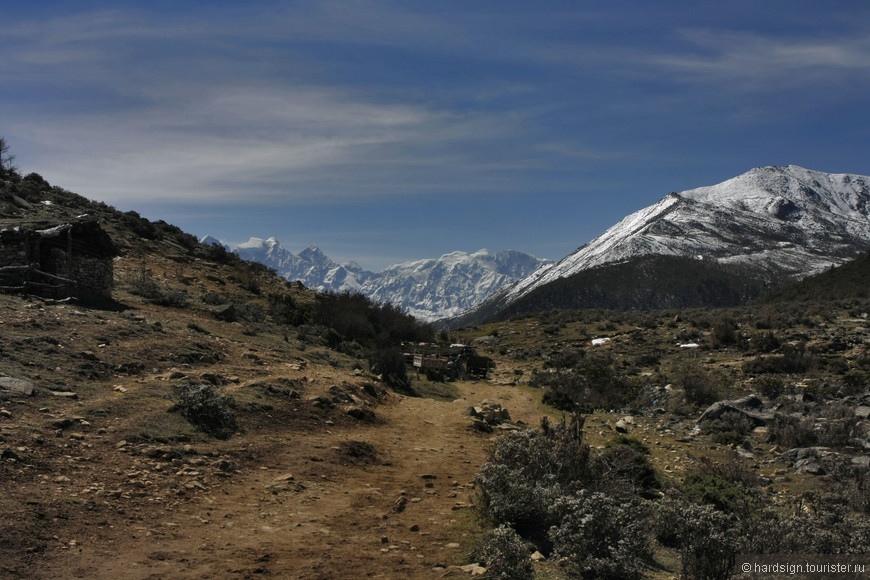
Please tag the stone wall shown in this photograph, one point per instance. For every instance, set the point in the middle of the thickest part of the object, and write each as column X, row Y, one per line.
column 11, row 254
column 94, row 276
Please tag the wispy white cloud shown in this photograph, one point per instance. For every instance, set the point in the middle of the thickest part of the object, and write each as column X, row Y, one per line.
column 268, row 143
column 751, row 61
column 265, row 102
column 213, row 121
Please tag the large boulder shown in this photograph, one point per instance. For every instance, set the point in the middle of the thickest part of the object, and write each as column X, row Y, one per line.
column 11, row 388
column 750, row 407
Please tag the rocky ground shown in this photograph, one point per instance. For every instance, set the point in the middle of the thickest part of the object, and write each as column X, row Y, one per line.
column 330, row 474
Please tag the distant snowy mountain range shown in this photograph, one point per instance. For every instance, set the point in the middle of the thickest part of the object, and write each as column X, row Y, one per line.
column 427, row 289
column 754, row 231
column 779, row 222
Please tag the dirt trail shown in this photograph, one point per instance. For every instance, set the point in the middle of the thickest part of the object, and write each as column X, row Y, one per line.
column 318, row 504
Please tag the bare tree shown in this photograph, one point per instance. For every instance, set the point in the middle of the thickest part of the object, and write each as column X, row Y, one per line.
column 6, row 158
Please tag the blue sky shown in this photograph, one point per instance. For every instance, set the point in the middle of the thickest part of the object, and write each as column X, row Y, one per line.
column 385, row 131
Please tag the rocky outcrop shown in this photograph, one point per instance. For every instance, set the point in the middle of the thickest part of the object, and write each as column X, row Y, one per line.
column 751, row 407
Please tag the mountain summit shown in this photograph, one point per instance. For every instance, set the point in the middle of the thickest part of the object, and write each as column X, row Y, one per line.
column 428, row 289
column 777, row 222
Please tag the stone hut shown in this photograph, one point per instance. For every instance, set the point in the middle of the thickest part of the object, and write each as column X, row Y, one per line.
column 57, row 260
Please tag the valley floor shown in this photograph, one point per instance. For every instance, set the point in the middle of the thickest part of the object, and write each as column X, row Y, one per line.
column 388, row 499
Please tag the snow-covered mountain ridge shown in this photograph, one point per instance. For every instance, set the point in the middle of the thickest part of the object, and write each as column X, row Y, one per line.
column 786, row 221
column 428, row 289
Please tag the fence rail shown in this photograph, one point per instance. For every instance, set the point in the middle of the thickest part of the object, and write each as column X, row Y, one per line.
column 29, row 279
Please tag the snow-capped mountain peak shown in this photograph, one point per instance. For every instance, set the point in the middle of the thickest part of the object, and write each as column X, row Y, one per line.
column 790, row 221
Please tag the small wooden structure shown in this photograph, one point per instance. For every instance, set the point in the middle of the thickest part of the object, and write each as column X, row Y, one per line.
column 454, row 361
column 56, row 260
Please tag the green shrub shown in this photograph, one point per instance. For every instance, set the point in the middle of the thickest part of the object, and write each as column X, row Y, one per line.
column 792, row 362
column 207, row 409
column 625, row 460
column 602, row 537
column 701, row 387
column 770, row 386
column 789, row 432
column 713, row 489
column 505, row 555
column 152, row 292
column 724, row 332
column 527, row 471
column 591, row 383
column 708, row 541
column 390, row 363
column 728, row 438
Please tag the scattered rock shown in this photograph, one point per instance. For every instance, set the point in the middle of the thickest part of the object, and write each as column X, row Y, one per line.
column 224, row 312
column 284, row 482
column 214, row 379
column 64, row 423
column 322, row 402
column 11, row 388
column 807, row 459
column 482, row 426
column 373, row 390
column 10, row 454
column 490, row 412
column 361, row 414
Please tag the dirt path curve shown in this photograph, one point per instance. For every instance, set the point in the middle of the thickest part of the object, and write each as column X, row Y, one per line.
column 320, row 506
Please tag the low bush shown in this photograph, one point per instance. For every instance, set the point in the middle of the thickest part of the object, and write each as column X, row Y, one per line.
column 599, row 536
column 701, row 386
column 793, row 361
column 152, row 292
column 770, row 386
column 714, row 489
column 505, row 555
column 708, row 541
column 207, row 409
column 528, row 471
column 390, row 363
column 724, row 332
column 789, row 431
column 591, row 383
column 624, row 467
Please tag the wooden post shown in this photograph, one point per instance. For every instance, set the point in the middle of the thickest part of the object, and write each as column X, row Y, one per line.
column 69, row 254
